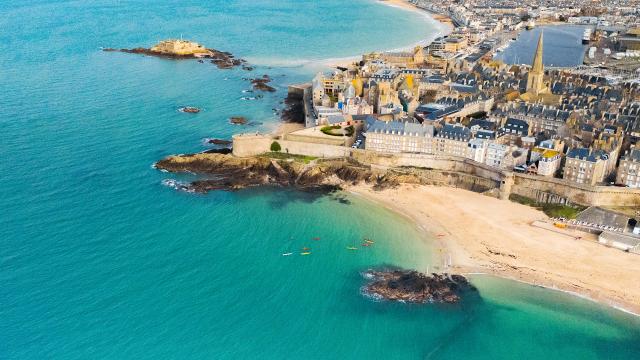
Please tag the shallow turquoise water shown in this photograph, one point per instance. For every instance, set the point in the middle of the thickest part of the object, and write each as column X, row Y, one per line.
column 100, row 260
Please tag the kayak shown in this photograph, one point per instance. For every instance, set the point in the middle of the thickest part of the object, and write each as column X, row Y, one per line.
column 305, row 253
column 287, row 254
column 306, row 249
column 316, row 238
column 352, row 248
column 369, row 241
column 366, row 244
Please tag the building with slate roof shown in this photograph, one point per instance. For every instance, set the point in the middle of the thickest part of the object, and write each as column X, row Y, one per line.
column 585, row 166
column 396, row 137
column 452, row 140
column 540, row 118
column 516, row 127
column 629, row 169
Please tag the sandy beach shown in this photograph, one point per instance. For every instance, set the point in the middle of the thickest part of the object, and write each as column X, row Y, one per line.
column 483, row 234
column 404, row 4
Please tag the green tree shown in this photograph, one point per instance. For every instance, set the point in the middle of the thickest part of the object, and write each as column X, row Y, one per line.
column 275, row 146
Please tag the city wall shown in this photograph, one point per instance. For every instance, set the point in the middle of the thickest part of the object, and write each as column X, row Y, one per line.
column 454, row 171
column 245, row 145
column 554, row 190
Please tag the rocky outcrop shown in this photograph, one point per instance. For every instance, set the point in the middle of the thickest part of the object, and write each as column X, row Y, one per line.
column 189, row 109
column 261, row 84
column 226, row 172
column 238, row 120
column 219, row 142
column 415, row 287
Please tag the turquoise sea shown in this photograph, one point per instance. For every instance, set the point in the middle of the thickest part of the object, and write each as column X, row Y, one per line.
column 100, row 260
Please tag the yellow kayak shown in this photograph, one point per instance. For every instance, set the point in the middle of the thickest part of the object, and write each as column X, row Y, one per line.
column 305, row 253
column 369, row 241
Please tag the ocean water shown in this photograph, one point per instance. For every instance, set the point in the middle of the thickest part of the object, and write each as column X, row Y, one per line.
column 562, row 46
column 100, row 260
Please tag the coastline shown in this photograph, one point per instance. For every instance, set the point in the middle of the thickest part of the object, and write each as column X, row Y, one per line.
column 441, row 25
column 442, row 28
column 503, row 244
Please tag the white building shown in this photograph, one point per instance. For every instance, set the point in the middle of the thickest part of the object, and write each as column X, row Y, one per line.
column 495, row 154
column 477, row 150
column 548, row 160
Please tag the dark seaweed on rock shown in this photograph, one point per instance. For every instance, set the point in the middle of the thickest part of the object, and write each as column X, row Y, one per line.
column 261, row 84
column 415, row 287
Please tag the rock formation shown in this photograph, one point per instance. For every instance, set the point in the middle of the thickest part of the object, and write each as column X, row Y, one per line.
column 219, row 142
column 415, row 287
column 227, row 172
column 238, row 120
column 261, row 84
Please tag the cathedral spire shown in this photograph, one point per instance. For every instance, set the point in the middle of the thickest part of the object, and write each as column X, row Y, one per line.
column 537, row 58
column 535, row 78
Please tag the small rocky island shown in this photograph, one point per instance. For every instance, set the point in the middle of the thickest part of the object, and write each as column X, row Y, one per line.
column 261, row 84
column 184, row 49
column 238, row 120
column 415, row 287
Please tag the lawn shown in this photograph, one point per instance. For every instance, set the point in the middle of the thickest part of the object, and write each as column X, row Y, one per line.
column 284, row 156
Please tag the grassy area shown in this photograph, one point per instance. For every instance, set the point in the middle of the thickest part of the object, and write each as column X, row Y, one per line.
column 284, row 156
column 552, row 210
column 329, row 130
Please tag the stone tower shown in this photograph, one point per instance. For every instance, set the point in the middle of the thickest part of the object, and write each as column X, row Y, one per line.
column 535, row 83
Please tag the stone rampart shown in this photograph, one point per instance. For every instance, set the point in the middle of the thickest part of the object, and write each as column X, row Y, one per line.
column 553, row 190
column 245, row 145
column 454, row 171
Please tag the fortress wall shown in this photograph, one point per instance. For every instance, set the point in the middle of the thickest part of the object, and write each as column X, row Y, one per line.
column 251, row 145
column 317, row 150
column 560, row 191
column 454, row 171
column 245, row 145
column 334, row 140
column 435, row 162
column 451, row 178
column 298, row 90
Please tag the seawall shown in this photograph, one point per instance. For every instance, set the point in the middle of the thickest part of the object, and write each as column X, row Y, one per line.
column 452, row 171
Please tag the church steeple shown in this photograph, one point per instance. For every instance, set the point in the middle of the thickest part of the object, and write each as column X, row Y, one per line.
column 537, row 58
column 535, row 78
